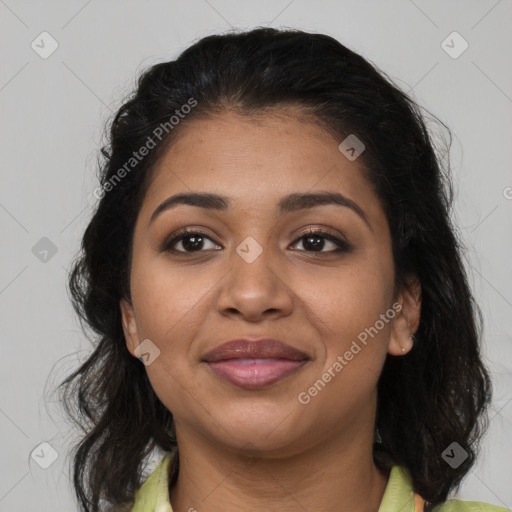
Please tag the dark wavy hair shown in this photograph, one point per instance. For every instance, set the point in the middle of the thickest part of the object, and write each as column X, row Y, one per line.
column 435, row 395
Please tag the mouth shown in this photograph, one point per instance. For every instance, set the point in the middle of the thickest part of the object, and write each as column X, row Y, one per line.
column 255, row 364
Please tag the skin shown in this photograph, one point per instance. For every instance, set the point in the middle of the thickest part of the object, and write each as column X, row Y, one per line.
column 243, row 450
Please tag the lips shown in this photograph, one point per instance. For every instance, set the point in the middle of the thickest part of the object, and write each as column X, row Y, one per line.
column 253, row 364
column 254, row 349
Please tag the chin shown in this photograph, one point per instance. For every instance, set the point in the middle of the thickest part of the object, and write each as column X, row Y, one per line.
column 260, row 430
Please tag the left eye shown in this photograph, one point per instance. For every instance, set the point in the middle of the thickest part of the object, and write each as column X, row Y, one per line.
column 312, row 237
column 194, row 241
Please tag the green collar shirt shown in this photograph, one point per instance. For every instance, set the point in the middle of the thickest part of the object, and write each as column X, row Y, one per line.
column 153, row 495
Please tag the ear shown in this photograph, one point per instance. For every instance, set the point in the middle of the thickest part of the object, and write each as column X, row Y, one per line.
column 131, row 334
column 406, row 322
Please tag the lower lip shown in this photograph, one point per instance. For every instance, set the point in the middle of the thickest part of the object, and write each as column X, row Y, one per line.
column 254, row 373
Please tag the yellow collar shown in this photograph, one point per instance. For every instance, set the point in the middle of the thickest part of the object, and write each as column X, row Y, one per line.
column 153, row 495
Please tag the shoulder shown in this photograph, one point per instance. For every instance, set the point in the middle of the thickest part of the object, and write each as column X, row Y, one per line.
column 399, row 495
column 153, row 493
column 467, row 506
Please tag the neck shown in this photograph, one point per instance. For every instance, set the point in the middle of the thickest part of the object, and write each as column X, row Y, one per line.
column 329, row 476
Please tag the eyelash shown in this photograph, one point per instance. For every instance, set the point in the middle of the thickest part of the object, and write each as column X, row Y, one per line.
column 343, row 246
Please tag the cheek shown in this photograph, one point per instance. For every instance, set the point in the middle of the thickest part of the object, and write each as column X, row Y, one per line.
column 349, row 310
column 170, row 305
column 353, row 298
column 165, row 296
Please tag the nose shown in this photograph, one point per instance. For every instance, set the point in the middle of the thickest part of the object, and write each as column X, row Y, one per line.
column 255, row 289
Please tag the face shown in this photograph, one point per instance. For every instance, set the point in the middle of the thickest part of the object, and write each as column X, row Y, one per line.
column 256, row 271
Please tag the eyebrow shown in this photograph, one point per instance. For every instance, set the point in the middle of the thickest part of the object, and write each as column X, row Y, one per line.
column 288, row 204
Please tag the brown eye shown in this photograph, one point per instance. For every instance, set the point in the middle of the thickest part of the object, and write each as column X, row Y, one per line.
column 315, row 241
column 192, row 241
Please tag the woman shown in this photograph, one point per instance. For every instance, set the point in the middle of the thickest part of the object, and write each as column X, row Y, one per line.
column 277, row 291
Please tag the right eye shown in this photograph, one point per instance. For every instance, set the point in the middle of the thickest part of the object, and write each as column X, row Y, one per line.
column 191, row 240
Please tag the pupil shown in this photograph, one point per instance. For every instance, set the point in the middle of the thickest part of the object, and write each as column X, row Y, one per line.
column 312, row 243
column 197, row 242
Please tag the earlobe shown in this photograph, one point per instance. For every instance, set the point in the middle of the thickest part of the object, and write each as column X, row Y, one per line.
column 405, row 324
column 400, row 347
column 129, row 326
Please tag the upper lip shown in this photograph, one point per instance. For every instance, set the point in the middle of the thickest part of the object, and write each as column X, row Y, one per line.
column 265, row 348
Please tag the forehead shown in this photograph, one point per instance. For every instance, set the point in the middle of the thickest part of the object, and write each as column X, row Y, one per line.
column 286, row 134
column 256, row 161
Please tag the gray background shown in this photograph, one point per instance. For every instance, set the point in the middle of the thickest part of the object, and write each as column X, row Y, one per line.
column 53, row 110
